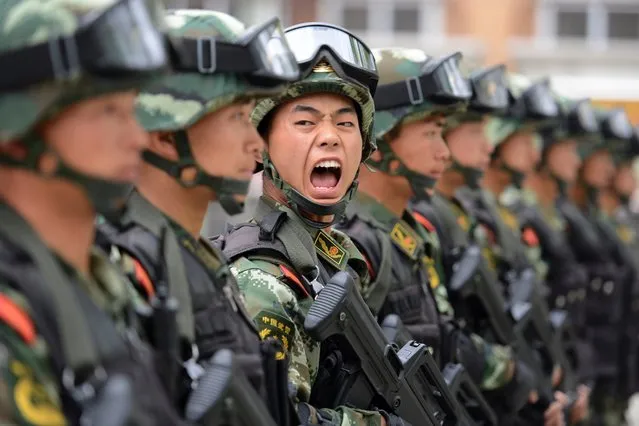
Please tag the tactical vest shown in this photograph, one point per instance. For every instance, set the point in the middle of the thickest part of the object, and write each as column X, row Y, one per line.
column 567, row 279
column 103, row 373
column 217, row 318
column 603, row 297
column 401, row 284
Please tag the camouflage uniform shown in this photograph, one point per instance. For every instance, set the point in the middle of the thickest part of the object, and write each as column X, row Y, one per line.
column 31, row 337
column 276, row 286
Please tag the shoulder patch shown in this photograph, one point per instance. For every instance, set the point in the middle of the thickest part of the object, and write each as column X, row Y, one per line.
column 509, row 219
column 31, row 399
column 16, row 318
column 272, row 325
column 330, row 250
column 405, row 238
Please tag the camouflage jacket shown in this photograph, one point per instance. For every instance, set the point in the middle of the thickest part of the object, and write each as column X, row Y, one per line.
column 278, row 302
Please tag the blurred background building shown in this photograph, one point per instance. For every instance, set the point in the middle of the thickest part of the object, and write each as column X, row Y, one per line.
column 590, row 48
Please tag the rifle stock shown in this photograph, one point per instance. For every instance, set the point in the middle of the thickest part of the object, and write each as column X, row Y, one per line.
column 224, row 396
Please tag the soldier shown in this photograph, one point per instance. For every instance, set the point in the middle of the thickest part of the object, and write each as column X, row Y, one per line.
column 411, row 155
column 463, row 221
column 203, row 147
column 610, row 266
column 547, row 251
column 577, row 132
column 71, row 147
column 317, row 133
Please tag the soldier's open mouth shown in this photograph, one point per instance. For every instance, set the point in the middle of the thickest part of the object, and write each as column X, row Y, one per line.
column 326, row 174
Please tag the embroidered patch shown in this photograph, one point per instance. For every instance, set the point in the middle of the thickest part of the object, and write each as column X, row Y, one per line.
column 625, row 234
column 433, row 276
column 404, row 238
column 31, row 399
column 330, row 250
column 270, row 324
column 509, row 219
column 424, row 222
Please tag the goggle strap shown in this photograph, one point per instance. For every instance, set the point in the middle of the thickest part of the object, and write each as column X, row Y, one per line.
column 207, row 55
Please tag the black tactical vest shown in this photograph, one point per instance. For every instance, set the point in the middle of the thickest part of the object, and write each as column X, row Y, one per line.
column 69, row 322
column 219, row 317
column 405, row 289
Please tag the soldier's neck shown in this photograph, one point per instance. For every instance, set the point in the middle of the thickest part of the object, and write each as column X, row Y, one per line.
column 494, row 181
column 449, row 183
column 58, row 211
column 391, row 191
column 544, row 187
column 271, row 191
column 609, row 201
column 185, row 206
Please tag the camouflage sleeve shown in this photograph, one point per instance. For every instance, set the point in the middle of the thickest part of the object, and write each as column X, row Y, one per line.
column 28, row 389
column 497, row 362
column 279, row 313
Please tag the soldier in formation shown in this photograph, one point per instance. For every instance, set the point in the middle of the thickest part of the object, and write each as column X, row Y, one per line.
column 436, row 243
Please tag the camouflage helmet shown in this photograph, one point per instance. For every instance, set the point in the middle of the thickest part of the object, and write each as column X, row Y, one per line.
column 323, row 79
column 397, row 64
column 322, row 73
column 25, row 24
column 180, row 99
column 75, row 50
column 400, row 100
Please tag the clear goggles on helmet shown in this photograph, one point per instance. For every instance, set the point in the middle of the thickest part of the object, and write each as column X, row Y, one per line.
column 441, row 82
column 313, row 41
column 119, row 42
column 490, row 90
column 615, row 124
column 262, row 55
column 536, row 103
column 581, row 119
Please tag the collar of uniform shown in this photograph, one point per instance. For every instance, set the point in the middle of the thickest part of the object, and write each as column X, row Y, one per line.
column 331, row 245
column 106, row 285
column 200, row 248
column 402, row 233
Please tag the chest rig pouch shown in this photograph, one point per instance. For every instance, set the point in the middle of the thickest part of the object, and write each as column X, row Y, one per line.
column 104, row 374
column 216, row 318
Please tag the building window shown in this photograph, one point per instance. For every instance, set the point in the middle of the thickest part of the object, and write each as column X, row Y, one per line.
column 623, row 25
column 355, row 18
column 406, row 18
column 572, row 23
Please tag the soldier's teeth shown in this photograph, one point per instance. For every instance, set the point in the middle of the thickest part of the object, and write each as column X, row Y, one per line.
column 328, row 164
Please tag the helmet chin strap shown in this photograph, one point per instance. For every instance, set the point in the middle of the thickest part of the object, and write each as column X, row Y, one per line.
column 307, row 209
column 107, row 197
column 471, row 175
column 418, row 182
column 226, row 189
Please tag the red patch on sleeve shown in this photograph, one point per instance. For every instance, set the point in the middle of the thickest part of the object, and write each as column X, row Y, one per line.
column 16, row 318
column 424, row 222
column 291, row 276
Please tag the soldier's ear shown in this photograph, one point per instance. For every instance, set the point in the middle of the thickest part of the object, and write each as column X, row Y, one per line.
column 163, row 143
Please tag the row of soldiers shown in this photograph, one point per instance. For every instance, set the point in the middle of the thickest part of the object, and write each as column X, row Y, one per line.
column 436, row 243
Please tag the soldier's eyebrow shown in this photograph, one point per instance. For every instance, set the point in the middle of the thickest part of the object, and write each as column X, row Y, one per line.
column 345, row 110
column 316, row 112
column 306, row 108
